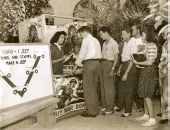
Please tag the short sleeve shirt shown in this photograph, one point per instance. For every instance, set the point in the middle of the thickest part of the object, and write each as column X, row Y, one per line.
column 129, row 48
column 109, row 49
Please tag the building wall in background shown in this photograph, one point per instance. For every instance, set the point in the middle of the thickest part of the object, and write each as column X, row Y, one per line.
column 63, row 8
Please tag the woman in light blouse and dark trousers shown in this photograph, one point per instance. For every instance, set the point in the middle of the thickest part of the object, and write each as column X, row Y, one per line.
column 148, row 78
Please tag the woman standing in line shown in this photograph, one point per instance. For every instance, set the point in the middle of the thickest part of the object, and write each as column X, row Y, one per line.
column 148, row 77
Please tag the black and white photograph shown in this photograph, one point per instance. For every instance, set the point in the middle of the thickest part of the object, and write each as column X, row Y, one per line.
column 84, row 65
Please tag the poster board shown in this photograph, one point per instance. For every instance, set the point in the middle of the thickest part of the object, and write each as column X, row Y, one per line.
column 69, row 90
column 25, row 74
column 31, row 30
column 42, row 33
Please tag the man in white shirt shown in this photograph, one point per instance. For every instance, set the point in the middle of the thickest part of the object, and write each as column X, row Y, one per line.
column 109, row 60
column 136, row 33
column 89, row 56
column 126, row 72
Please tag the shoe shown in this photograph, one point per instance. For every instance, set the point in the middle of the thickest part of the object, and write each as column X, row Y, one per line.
column 85, row 114
column 139, row 110
column 118, row 110
column 143, row 118
column 149, row 123
column 125, row 114
column 163, row 121
column 159, row 114
column 102, row 109
column 106, row 112
column 115, row 108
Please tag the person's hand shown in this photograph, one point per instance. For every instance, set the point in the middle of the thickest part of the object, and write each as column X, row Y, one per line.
column 135, row 62
column 74, row 69
column 124, row 78
column 66, row 58
column 63, row 58
column 111, row 74
column 161, row 65
column 138, row 66
column 118, row 72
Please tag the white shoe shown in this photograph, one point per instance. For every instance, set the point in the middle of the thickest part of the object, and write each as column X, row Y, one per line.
column 149, row 123
column 143, row 118
column 115, row 108
column 102, row 109
column 108, row 112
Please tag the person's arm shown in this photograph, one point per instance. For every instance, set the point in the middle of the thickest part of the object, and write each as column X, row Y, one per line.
column 152, row 54
column 124, row 78
column 81, row 54
column 58, row 60
column 134, row 49
column 118, row 72
column 115, row 49
column 80, row 57
column 114, row 64
column 144, row 63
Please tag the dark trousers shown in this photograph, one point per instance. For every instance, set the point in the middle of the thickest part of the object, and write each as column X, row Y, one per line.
column 107, row 86
column 126, row 89
column 90, row 78
column 139, row 101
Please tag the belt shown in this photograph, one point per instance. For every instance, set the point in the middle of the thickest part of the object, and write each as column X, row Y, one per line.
column 123, row 62
column 106, row 60
column 91, row 60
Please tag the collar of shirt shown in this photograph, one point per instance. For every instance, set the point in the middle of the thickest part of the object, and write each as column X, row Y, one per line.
column 88, row 36
column 130, row 41
column 59, row 46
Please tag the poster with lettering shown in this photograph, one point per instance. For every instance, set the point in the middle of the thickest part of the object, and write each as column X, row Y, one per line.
column 25, row 74
column 69, row 90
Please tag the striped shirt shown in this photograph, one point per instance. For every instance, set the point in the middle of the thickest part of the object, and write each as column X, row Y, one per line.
column 151, row 51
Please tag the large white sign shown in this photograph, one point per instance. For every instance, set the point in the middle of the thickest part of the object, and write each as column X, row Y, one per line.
column 25, row 74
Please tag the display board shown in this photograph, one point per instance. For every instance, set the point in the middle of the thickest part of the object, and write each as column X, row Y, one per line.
column 25, row 74
column 31, row 30
column 69, row 90
column 36, row 30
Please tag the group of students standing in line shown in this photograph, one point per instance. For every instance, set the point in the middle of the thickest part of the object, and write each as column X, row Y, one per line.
column 137, row 79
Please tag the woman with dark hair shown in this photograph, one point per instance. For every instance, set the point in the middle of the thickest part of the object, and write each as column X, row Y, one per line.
column 148, row 77
column 57, row 53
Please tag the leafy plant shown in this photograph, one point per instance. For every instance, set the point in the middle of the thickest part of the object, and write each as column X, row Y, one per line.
column 159, row 13
column 14, row 11
column 117, row 13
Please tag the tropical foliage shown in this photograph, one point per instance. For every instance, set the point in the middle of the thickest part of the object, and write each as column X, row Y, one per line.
column 115, row 13
column 159, row 13
column 14, row 11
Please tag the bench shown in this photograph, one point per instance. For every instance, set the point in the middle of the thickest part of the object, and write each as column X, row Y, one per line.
column 21, row 112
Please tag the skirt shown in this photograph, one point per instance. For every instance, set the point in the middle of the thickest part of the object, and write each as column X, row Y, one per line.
column 148, row 80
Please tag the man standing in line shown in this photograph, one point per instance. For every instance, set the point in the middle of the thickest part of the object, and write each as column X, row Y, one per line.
column 127, row 72
column 89, row 56
column 108, row 63
column 136, row 33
